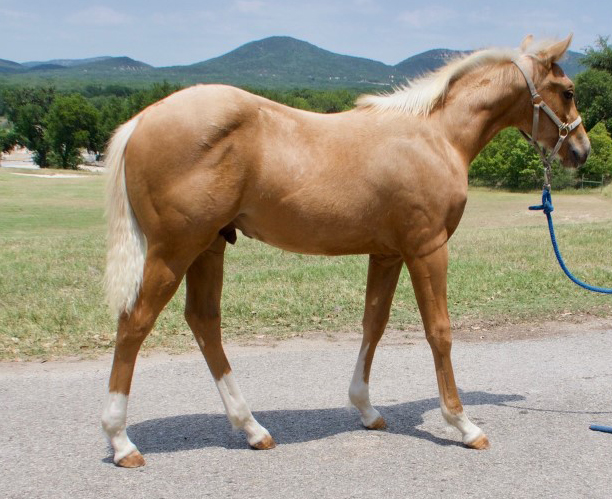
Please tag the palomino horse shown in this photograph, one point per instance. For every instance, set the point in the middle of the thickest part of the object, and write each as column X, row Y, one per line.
column 388, row 179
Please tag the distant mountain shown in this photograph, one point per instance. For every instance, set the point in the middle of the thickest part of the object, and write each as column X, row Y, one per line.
column 571, row 63
column 46, row 67
column 10, row 66
column 94, row 64
column 275, row 62
column 426, row 62
column 431, row 60
column 113, row 63
column 67, row 63
column 287, row 61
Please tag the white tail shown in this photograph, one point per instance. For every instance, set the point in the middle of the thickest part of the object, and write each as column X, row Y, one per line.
column 126, row 242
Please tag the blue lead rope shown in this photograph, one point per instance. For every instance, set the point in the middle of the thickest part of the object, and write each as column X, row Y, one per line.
column 547, row 208
column 605, row 429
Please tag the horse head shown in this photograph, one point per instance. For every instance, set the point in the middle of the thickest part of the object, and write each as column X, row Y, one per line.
column 554, row 90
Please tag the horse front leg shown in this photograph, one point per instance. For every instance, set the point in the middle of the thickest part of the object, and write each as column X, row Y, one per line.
column 428, row 276
column 383, row 274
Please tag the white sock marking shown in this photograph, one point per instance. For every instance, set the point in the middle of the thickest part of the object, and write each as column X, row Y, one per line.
column 359, row 392
column 113, row 423
column 469, row 431
column 238, row 411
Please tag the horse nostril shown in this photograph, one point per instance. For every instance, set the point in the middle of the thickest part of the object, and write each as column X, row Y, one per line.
column 580, row 156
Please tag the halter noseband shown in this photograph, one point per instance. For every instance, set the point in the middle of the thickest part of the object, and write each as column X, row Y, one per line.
column 564, row 128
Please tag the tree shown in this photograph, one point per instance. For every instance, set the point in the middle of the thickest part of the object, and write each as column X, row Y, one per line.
column 510, row 162
column 507, row 161
column 594, row 97
column 600, row 56
column 8, row 139
column 600, row 160
column 144, row 98
column 113, row 112
column 594, row 86
column 26, row 108
column 72, row 123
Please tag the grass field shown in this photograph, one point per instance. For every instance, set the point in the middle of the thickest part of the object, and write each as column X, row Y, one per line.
column 502, row 270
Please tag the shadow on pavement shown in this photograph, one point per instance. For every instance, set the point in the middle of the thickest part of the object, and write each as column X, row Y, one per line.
column 197, row 431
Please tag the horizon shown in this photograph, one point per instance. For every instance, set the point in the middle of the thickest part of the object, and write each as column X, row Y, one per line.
column 190, row 31
column 46, row 61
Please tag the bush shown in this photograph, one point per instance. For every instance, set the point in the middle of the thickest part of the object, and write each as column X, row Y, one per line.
column 599, row 163
column 508, row 161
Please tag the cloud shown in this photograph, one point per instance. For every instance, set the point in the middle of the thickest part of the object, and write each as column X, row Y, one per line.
column 428, row 16
column 249, row 6
column 99, row 16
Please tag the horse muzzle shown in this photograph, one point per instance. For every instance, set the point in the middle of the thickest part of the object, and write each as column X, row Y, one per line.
column 577, row 154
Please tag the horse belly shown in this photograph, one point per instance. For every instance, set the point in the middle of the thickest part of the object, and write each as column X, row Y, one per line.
column 314, row 233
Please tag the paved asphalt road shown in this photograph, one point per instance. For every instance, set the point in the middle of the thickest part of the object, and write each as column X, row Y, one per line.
column 534, row 398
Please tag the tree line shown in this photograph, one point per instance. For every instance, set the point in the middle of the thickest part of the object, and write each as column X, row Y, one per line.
column 57, row 126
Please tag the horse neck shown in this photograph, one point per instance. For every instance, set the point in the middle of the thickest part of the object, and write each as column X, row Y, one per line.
column 480, row 105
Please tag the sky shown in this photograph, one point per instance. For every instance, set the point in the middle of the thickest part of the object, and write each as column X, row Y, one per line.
column 177, row 32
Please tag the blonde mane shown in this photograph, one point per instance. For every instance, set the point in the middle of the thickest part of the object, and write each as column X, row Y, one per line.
column 421, row 96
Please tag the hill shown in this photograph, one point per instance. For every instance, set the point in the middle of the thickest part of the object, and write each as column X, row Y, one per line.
column 433, row 59
column 274, row 62
column 10, row 66
column 427, row 61
column 112, row 64
column 68, row 63
column 571, row 63
column 288, row 61
column 46, row 67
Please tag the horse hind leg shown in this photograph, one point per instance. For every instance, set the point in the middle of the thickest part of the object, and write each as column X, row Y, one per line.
column 203, row 314
column 428, row 276
column 383, row 274
column 162, row 275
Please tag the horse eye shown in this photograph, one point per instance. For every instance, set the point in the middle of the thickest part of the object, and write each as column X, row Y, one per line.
column 568, row 94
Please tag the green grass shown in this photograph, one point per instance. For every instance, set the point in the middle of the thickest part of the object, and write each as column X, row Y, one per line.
column 502, row 269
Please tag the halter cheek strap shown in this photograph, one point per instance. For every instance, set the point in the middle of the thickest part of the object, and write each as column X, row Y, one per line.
column 564, row 128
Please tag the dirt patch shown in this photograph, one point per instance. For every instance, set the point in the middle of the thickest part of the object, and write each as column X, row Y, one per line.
column 472, row 331
column 495, row 209
column 317, row 340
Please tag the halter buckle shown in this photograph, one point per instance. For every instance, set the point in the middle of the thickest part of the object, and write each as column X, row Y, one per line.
column 564, row 130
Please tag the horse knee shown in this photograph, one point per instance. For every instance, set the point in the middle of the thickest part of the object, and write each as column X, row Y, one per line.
column 439, row 337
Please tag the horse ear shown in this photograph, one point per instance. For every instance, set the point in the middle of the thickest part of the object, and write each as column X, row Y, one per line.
column 554, row 52
column 526, row 42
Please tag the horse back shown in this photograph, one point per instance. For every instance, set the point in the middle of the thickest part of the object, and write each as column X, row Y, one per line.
column 215, row 156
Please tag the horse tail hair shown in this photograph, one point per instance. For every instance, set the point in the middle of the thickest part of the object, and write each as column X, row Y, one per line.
column 126, row 243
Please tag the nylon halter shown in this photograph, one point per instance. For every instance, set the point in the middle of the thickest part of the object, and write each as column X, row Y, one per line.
column 564, row 128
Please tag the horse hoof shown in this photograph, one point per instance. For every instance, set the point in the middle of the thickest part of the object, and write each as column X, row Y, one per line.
column 132, row 460
column 378, row 424
column 266, row 443
column 481, row 443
